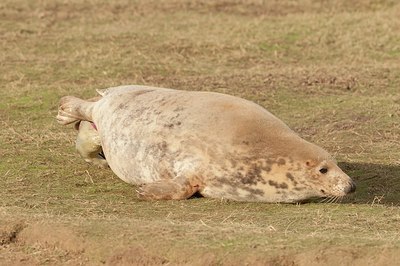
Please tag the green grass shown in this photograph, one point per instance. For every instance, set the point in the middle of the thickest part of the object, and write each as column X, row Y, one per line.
column 329, row 70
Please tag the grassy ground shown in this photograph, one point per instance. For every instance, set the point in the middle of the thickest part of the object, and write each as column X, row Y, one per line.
column 329, row 69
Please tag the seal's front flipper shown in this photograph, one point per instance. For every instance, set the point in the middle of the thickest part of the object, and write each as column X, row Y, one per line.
column 167, row 189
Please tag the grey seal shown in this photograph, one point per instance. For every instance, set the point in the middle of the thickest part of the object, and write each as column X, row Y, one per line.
column 174, row 143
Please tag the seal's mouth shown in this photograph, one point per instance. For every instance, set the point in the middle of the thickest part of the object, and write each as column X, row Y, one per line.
column 340, row 189
column 338, row 193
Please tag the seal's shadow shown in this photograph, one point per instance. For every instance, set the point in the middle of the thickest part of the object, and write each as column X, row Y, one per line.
column 376, row 183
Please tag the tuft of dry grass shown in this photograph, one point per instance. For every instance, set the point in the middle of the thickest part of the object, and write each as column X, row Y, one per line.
column 330, row 70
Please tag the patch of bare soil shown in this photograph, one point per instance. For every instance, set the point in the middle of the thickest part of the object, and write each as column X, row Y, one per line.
column 33, row 244
column 327, row 256
column 135, row 256
column 51, row 236
column 347, row 256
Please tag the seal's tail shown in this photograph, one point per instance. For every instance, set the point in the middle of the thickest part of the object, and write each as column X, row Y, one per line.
column 72, row 109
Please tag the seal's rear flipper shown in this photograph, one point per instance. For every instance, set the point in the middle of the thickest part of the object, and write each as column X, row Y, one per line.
column 72, row 109
column 168, row 189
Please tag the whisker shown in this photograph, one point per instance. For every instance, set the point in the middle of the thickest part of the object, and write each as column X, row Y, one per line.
column 336, row 199
column 327, row 199
column 332, row 200
column 324, row 200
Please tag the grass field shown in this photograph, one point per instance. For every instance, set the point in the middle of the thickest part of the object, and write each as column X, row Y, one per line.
column 329, row 69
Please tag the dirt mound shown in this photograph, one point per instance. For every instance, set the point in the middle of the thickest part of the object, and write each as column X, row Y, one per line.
column 9, row 232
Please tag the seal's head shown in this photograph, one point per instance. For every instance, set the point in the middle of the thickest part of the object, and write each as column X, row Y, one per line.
column 320, row 176
column 331, row 181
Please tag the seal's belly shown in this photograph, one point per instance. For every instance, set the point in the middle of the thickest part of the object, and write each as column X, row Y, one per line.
column 142, row 153
column 150, row 136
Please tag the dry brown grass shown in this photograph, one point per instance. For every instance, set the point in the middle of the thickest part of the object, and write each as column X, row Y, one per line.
column 328, row 69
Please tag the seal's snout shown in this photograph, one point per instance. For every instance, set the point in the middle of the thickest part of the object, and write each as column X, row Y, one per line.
column 351, row 188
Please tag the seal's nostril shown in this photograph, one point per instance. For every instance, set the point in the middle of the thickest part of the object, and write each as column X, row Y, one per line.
column 352, row 187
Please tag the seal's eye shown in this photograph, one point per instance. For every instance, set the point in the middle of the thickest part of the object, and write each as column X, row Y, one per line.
column 323, row 170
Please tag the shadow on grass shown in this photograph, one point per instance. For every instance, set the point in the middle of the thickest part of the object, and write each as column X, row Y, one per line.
column 376, row 183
